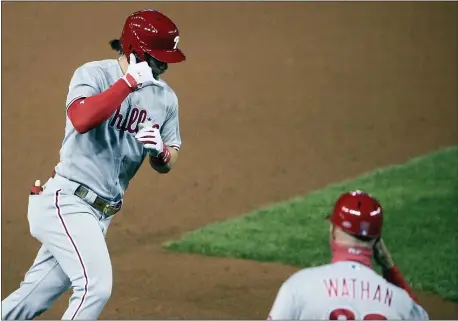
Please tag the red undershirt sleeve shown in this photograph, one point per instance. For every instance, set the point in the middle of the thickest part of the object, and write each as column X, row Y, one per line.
column 88, row 113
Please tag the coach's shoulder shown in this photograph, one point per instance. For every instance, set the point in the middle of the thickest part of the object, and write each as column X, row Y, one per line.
column 403, row 302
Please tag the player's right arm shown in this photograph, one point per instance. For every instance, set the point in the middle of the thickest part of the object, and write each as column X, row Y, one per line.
column 395, row 277
column 88, row 106
column 284, row 307
column 390, row 270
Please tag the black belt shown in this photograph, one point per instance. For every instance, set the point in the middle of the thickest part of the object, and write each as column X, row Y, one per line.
column 99, row 203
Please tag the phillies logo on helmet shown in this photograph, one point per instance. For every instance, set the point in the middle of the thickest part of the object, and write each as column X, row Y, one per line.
column 364, row 228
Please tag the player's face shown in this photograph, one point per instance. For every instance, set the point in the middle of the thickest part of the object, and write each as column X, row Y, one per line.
column 157, row 67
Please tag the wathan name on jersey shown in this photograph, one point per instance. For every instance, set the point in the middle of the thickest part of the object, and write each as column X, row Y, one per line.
column 358, row 289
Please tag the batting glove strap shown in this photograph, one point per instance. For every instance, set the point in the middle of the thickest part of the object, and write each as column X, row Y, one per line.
column 162, row 159
column 131, row 82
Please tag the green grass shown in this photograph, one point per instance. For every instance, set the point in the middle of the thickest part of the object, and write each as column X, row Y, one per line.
column 421, row 224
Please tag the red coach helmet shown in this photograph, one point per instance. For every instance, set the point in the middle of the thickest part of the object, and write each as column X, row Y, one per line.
column 358, row 213
column 149, row 31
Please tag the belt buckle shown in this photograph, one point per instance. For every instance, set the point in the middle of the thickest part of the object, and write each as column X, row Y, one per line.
column 108, row 210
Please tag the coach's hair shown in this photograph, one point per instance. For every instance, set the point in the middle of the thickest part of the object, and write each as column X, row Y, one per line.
column 363, row 238
column 358, row 240
column 116, row 46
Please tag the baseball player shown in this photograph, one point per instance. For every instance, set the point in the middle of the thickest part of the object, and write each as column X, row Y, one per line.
column 348, row 288
column 118, row 112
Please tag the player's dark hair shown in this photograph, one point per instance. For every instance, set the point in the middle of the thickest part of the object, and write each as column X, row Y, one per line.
column 363, row 238
column 116, row 46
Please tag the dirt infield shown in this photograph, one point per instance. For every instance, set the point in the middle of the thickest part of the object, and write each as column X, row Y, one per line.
column 277, row 99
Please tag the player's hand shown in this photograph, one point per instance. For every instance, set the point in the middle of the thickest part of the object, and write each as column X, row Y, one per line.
column 382, row 256
column 151, row 138
column 138, row 75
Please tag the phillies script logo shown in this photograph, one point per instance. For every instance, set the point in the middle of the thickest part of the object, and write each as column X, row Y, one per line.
column 130, row 123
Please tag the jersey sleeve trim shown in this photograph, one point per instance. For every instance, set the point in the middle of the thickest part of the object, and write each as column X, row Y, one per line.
column 174, row 146
column 75, row 99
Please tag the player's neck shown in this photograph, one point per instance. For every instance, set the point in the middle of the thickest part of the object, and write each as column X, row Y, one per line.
column 123, row 64
column 346, row 252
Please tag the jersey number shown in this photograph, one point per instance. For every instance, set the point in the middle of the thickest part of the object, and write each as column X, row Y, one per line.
column 176, row 40
column 346, row 314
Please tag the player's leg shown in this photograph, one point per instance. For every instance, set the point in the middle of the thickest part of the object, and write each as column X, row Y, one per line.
column 74, row 236
column 43, row 284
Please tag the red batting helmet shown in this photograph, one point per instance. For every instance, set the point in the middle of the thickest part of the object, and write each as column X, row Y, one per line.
column 358, row 213
column 149, row 31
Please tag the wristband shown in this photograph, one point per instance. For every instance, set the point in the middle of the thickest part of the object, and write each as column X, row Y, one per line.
column 130, row 80
column 162, row 159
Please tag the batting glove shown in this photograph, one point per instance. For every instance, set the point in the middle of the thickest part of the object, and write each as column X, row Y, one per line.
column 152, row 141
column 382, row 256
column 139, row 75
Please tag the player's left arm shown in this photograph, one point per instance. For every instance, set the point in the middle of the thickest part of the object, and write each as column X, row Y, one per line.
column 167, row 167
column 170, row 140
column 161, row 156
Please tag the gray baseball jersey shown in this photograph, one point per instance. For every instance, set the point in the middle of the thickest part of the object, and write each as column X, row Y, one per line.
column 343, row 291
column 107, row 157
